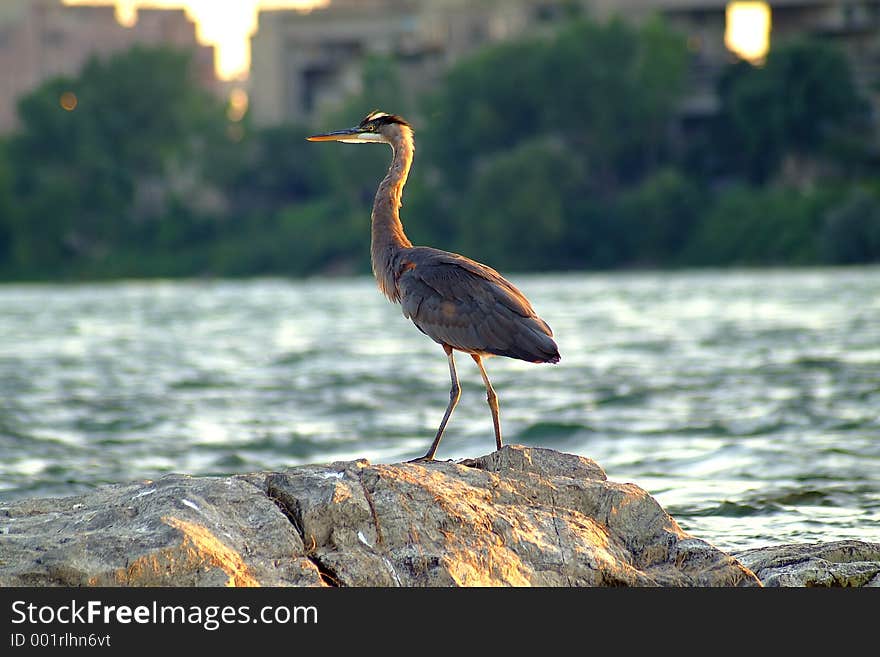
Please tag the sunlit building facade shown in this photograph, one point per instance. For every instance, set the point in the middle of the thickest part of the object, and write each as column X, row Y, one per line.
column 40, row 39
column 305, row 63
column 853, row 25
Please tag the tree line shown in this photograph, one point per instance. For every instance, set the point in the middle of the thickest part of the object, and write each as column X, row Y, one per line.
column 563, row 151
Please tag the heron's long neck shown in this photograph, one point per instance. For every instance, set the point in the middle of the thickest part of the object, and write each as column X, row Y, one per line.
column 388, row 237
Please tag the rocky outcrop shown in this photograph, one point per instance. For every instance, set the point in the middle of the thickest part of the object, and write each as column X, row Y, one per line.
column 519, row 516
column 176, row 531
column 515, row 517
column 841, row 563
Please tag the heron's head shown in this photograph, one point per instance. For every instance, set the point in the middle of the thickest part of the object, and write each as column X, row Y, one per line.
column 375, row 128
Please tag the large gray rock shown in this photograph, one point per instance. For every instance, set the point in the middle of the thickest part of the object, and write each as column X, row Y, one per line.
column 519, row 516
column 177, row 531
column 841, row 563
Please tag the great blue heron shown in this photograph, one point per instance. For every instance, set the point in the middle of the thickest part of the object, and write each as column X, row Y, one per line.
column 459, row 303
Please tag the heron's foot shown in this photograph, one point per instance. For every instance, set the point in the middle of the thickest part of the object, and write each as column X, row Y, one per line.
column 428, row 459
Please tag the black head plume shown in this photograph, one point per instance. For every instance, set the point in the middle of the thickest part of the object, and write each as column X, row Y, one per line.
column 376, row 119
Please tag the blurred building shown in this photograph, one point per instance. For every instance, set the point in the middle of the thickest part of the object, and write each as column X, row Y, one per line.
column 853, row 25
column 40, row 39
column 306, row 62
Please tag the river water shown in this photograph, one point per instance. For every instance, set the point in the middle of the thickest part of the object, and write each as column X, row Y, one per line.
column 746, row 402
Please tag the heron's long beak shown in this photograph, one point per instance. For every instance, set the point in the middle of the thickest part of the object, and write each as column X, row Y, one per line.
column 349, row 136
column 336, row 135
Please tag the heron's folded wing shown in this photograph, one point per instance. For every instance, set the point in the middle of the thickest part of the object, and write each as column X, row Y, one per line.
column 456, row 301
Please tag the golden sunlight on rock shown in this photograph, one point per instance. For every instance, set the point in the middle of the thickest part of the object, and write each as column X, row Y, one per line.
column 211, row 550
column 520, row 516
column 517, row 517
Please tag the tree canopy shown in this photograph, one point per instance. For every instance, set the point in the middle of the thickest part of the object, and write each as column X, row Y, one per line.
column 560, row 150
column 100, row 157
column 802, row 103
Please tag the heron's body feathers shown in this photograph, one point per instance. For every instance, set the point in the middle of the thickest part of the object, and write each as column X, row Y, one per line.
column 470, row 307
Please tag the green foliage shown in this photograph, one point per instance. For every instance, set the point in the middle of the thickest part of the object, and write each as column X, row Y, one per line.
column 661, row 214
column 84, row 177
column 559, row 150
column 530, row 141
column 607, row 89
column 276, row 167
column 486, row 105
column 7, row 223
column 617, row 95
column 309, row 238
column 803, row 101
column 851, row 231
column 759, row 226
column 520, row 205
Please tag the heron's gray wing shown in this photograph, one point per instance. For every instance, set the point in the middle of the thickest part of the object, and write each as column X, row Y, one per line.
column 470, row 307
column 504, row 291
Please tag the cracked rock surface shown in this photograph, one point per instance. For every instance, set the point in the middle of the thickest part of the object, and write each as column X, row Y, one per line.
column 175, row 531
column 839, row 563
column 519, row 516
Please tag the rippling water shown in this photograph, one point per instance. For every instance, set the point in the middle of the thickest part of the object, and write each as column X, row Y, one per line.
column 747, row 403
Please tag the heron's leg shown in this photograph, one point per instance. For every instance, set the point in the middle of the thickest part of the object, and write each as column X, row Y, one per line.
column 454, row 394
column 492, row 398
